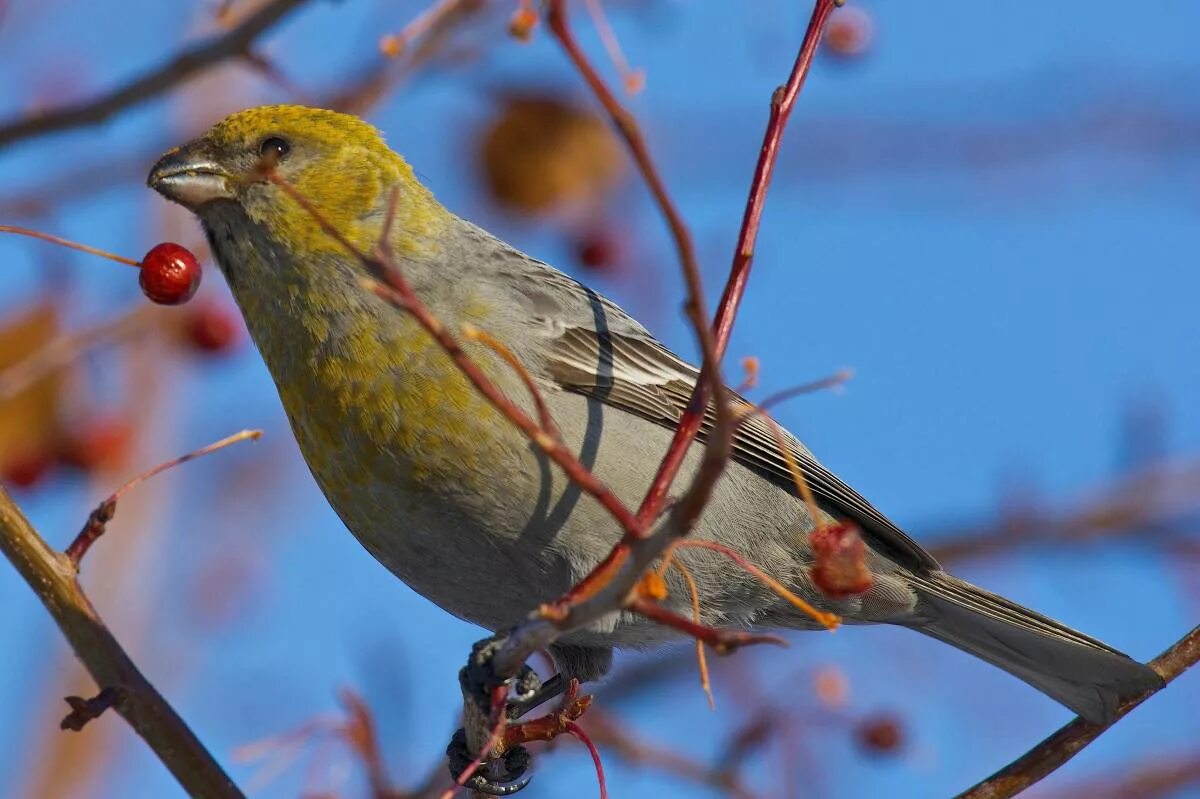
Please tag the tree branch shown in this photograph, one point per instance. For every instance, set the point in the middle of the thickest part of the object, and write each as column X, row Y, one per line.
column 1063, row 745
column 52, row 577
column 184, row 66
column 617, row 575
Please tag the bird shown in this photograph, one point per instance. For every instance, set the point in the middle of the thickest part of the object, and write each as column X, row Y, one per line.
column 454, row 500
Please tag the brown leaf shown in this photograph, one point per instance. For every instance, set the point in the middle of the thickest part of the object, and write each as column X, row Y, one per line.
column 540, row 153
column 29, row 420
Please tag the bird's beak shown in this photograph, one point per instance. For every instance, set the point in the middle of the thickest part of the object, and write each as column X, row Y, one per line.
column 190, row 176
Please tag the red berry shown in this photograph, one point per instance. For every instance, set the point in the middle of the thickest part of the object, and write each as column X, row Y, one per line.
column 26, row 469
column 170, row 274
column 597, row 249
column 849, row 32
column 211, row 329
column 880, row 735
column 99, row 442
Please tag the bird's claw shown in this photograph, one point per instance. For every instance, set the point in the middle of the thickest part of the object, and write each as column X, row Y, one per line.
column 501, row 776
column 478, row 678
column 506, row 774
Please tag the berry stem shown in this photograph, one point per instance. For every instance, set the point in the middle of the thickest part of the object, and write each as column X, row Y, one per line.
column 22, row 231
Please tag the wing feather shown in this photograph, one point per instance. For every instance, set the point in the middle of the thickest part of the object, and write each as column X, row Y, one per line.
column 636, row 373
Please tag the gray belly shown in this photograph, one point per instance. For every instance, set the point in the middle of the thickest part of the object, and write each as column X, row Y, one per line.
column 491, row 547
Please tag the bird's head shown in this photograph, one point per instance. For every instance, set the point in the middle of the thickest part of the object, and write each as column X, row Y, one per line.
column 339, row 163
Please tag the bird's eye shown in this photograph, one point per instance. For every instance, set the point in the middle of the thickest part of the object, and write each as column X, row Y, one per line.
column 274, row 148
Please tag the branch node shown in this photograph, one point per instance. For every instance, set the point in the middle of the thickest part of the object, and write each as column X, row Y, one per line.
column 84, row 710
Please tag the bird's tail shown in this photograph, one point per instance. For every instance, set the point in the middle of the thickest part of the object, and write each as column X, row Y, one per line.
column 1077, row 671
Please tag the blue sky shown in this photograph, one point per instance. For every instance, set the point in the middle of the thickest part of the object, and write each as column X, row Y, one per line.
column 991, row 218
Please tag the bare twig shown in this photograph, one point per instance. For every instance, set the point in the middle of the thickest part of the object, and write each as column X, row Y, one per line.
column 74, row 245
column 52, row 578
column 1063, row 745
column 94, row 527
column 183, row 66
column 545, row 418
column 722, row 642
column 389, row 284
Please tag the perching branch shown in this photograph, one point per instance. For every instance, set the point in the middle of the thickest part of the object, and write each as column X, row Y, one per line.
column 52, row 577
column 191, row 62
column 1063, row 745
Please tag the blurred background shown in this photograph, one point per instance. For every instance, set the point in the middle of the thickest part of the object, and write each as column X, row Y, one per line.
column 988, row 211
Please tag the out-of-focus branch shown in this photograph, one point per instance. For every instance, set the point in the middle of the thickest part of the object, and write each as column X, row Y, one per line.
column 1154, row 498
column 609, row 733
column 1063, row 745
column 1159, row 778
column 233, row 43
column 53, row 578
column 66, row 349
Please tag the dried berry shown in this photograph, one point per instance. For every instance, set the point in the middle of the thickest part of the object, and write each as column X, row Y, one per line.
column 839, row 560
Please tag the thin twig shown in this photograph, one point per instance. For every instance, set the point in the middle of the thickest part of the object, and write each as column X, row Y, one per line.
column 829, row 621
column 782, row 102
column 96, row 522
column 710, row 387
column 74, row 245
column 723, row 642
column 388, row 283
column 634, row 751
column 545, row 419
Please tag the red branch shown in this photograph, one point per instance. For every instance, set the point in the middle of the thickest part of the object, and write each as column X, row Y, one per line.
column 582, row 735
column 710, row 384
column 782, row 102
column 722, row 641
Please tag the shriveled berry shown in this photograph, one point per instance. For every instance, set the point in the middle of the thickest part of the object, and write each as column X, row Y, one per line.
column 98, row 442
column 25, row 469
column 839, row 566
column 880, row 735
column 170, row 274
column 522, row 24
column 211, row 329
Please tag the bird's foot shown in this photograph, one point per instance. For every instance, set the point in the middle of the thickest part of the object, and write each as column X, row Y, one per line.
column 505, row 774
column 500, row 776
